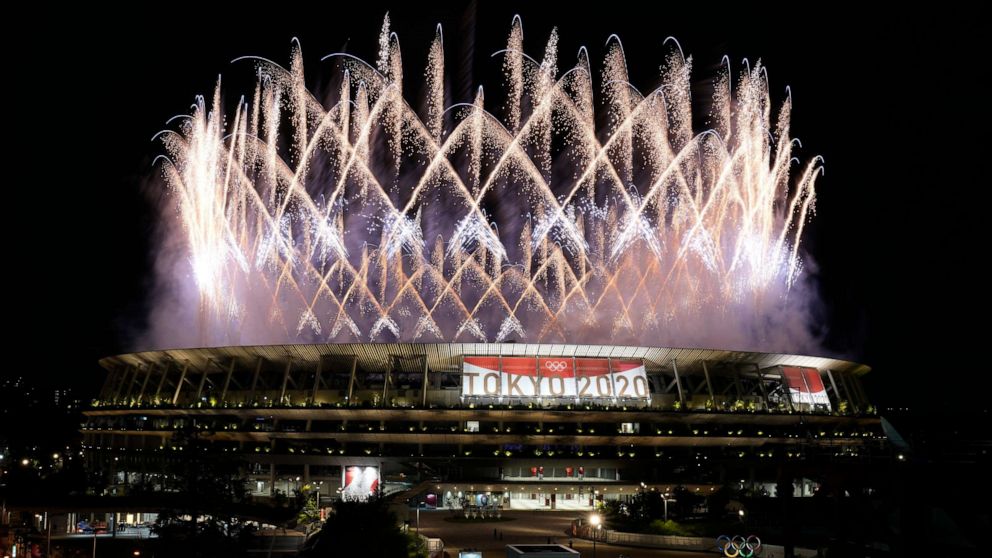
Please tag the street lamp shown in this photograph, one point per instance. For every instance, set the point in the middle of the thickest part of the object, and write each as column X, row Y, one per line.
column 596, row 522
column 740, row 513
column 665, row 499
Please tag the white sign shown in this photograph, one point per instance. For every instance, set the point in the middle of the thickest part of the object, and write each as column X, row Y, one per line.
column 554, row 377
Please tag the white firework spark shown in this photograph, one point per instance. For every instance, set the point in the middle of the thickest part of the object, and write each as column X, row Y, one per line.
column 372, row 220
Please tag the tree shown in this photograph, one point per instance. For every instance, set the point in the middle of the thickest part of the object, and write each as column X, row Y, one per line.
column 365, row 529
column 309, row 515
column 637, row 514
column 205, row 496
column 716, row 502
column 685, row 502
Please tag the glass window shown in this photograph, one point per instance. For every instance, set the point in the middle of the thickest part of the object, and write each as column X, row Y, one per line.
column 630, row 427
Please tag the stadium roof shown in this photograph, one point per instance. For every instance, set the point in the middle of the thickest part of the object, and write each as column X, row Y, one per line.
column 382, row 357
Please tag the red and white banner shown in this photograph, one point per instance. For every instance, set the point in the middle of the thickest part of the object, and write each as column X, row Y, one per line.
column 557, row 377
column 593, row 377
column 629, row 379
column 520, row 377
column 481, row 377
column 551, row 377
column 805, row 386
column 358, row 483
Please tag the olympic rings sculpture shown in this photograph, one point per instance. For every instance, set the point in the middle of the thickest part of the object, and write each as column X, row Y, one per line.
column 739, row 546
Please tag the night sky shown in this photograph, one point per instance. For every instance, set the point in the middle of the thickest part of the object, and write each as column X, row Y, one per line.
column 889, row 101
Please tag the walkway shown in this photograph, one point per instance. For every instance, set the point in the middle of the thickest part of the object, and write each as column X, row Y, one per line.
column 527, row 527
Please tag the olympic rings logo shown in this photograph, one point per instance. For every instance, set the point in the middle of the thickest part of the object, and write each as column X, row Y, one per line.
column 738, row 546
column 556, row 365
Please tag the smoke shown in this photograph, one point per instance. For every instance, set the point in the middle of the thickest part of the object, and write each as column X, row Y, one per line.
column 571, row 214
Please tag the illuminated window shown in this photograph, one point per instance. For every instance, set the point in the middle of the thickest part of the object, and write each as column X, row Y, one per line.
column 630, row 427
column 471, row 426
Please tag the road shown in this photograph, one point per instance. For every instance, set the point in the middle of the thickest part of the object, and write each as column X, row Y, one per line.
column 533, row 527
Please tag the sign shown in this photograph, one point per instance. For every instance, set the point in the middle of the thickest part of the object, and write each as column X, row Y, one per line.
column 358, row 483
column 554, row 377
column 805, row 386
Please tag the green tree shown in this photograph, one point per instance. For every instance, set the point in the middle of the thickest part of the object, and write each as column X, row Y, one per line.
column 204, row 499
column 309, row 515
column 637, row 514
column 365, row 529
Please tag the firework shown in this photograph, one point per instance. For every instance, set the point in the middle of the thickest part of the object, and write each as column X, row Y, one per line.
column 569, row 213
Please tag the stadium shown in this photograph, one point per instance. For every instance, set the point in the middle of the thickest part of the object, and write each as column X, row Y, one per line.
column 488, row 425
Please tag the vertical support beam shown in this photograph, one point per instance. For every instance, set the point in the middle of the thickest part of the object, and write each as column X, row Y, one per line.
column 118, row 393
column 833, row 384
column 132, row 383
column 144, row 385
column 761, row 384
column 113, row 380
column 203, row 381
column 179, row 385
column 423, row 390
column 227, row 380
column 109, row 385
column 254, row 380
column 709, row 384
column 385, row 384
column 847, row 391
column 737, row 382
column 105, row 388
column 285, row 380
column 351, row 381
column 860, row 389
column 678, row 383
column 316, row 380
column 788, row 392
column 161, row 381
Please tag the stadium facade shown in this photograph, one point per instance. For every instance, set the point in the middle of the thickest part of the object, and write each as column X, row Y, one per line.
column 523, row 426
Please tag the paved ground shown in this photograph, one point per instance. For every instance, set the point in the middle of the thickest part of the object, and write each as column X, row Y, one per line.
column 527, row 527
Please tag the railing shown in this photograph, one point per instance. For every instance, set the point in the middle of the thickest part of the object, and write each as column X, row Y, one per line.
column 451, row 400
column 654, row 541
column 434, row 546
column 703, row 544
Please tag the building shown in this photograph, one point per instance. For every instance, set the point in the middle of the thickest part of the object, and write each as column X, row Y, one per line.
column 485, row 425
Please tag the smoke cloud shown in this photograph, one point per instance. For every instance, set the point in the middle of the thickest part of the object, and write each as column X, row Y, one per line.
column 570, row 212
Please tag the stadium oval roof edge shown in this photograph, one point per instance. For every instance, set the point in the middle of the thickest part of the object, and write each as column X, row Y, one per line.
column 376, row 357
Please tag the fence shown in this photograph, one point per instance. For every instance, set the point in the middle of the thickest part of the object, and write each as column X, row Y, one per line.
column 706, row 544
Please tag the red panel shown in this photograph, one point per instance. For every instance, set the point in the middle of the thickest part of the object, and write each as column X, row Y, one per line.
column 524, row 366
column 814, row 381
column 489, row 363
column 794, row 378
column 592, row 366
column 625, row 365
column 556, row 367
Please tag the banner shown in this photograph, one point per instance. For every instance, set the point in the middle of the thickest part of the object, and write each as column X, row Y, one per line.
column 594, row 378
column 358, row 483
column 520, row 377
column 629, row 379
column 805, row 386
column 554, row 377
column 481, row 377
column 557, row 377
